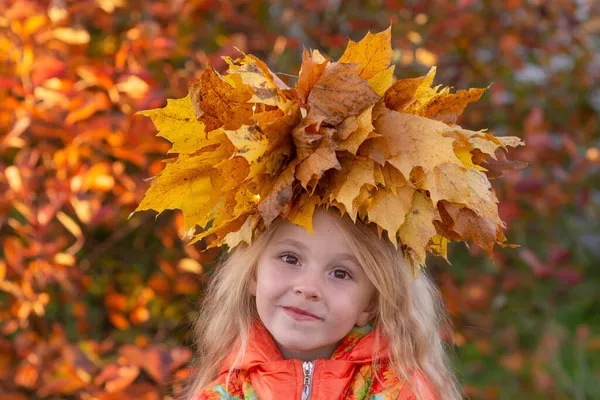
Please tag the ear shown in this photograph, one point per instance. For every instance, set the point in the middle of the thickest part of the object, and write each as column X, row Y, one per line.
column 252, row 287
column 368, row 313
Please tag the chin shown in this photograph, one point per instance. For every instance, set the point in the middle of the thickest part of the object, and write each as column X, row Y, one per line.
column 296, row 344
column 291, row 343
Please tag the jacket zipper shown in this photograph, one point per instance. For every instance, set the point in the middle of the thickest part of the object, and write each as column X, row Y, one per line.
column 308, row 367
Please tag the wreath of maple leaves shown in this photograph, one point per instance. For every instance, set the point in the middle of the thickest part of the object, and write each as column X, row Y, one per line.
column 250, row 149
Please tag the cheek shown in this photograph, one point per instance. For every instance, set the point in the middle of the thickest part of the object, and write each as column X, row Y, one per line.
column 366, row 292
column 352, row 300
column 340, row 297
column 270, row 278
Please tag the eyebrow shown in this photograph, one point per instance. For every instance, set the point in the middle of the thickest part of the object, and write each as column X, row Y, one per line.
column 303, row 247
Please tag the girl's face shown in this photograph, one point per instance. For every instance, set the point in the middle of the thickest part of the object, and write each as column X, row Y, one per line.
column 310, row 290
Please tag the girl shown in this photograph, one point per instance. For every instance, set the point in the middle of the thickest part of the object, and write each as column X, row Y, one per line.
column 321, row 305
column 335, row 314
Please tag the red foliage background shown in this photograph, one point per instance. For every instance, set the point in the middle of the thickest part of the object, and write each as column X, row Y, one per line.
column 94, row 304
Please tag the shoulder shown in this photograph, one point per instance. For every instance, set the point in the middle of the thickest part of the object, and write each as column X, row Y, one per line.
column 238, row 388
column 215, row 390
column 419, row 383
column 390, row 385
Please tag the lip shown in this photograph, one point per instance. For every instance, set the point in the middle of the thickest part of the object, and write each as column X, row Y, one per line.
column 300, row 315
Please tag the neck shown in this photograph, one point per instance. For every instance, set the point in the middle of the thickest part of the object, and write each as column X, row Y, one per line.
column 324, row 352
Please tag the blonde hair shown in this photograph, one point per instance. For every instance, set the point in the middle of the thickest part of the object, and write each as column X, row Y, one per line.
column 410, row 311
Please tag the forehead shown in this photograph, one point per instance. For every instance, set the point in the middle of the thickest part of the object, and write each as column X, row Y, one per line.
column 326, row 234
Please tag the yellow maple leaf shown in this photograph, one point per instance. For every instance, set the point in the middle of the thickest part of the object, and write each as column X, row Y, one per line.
column 457, row 184
column 471, row 140
column 364, row 126
column 310, row 72
column 317, row 162
column 439, row 247
column 389, row 209
column 228, row 173
column 471, row 226
column 403, row 91
column 185, row 184
column 279, row 194
column 410, row 95
column 379, row 177
column 244, row 234
column 446, row 182
column 250, row 150
column 418, row 228
column 177, row 123
column 511, row 141
column 267, row 143
column 417, row 96
column 450, row 105
column 360, row 172
column 346, row 127
column 373, row 53
column 338, row 93
column 219, row 232
column 361, row 203
column 375, row 148
column 415, row 141
column 302, row 215
column 216, row 103
column 382, row 81
column 255, row 74
column 392, row 177
column 482, row 198
column 249, row 194
column 463, row 152
column 250, row 142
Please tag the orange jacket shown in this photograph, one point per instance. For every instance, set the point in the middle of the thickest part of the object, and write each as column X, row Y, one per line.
column 264, row 374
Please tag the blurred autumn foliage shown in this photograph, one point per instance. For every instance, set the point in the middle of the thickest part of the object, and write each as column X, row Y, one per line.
column 94, row 305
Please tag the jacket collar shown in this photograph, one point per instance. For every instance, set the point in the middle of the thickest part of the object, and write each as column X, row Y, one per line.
column 358, row 346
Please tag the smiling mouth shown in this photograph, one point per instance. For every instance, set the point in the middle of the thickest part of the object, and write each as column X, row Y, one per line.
column 300, row 315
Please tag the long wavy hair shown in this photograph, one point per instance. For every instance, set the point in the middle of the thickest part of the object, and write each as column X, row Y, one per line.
column 410, row 311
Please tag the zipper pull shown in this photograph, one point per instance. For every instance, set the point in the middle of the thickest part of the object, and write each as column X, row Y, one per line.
column 307, row 367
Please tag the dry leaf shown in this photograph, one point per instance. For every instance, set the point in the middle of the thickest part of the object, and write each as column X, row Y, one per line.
column 415, row 141
column 302, row 215
column 359, row 172
column 319, row 161
column 339, row 93
column 346, row 136
column 418, row 228
column 389, row 209
column 373, row 53
column 177, row 123
column 312, row 69
column 217, row 103
column 255, row 74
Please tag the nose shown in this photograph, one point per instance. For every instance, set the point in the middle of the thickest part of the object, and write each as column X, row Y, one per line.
column 307, row 286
